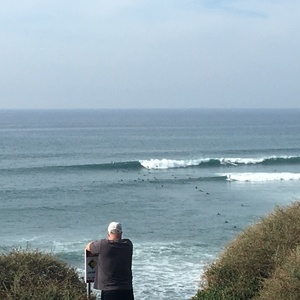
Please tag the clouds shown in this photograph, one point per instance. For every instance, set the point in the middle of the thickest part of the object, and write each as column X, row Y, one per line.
column 136, row 54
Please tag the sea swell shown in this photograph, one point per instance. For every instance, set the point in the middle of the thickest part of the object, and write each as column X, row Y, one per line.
column 161, row 164
column 127, row 165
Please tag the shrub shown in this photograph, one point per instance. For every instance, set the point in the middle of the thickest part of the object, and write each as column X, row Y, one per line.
column 32, row 275
column 242, row 269
column 285, row 282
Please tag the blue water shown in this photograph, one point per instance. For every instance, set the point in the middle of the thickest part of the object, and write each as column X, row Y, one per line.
column 182, row 182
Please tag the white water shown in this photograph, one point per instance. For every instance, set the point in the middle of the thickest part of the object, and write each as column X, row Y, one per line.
column 231, row 161
column 261, row 177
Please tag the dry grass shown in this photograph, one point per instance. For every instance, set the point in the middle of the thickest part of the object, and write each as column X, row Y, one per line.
column 285, row 281
column 256, row 259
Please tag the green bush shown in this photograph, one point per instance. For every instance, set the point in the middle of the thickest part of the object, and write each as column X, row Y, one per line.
column 32, row 275
column 256, row 255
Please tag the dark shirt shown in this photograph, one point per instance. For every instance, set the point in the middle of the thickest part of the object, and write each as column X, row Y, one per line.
column 114, row 264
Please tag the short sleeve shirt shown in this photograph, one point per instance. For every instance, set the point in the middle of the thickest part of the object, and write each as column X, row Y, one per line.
column 114, row 269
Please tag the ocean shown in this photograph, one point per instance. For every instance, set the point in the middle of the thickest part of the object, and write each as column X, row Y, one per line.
column 182, row 182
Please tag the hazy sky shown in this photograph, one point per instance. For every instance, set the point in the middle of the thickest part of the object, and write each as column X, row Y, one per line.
column 150, row 54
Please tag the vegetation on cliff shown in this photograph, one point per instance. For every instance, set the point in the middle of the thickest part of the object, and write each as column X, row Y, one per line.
column 32, row 275
column 261, row 263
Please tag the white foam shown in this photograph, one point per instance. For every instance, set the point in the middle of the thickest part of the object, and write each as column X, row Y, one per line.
column 238, row 161
column 251, row 161
column 170, row 163
column 168, row 270
column 234, row 161
column 261, row 177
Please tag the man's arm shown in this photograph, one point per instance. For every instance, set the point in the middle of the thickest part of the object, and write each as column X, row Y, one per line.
column 88, row 247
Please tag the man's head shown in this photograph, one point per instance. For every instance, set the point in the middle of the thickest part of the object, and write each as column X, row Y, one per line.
column 114, row 230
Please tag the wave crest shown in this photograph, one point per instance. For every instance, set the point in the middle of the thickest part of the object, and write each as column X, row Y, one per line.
column 212, row 162
column 170, row 163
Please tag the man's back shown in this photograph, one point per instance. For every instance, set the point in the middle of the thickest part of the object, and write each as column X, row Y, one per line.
column 114, row 267
column 114, row 264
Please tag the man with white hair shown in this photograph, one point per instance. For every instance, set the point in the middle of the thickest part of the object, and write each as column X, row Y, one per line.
column 114, row 269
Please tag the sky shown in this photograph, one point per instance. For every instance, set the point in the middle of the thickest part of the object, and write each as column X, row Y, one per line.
column 136, row 54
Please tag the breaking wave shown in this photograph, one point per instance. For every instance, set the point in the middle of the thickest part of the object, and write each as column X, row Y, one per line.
column 215, row 162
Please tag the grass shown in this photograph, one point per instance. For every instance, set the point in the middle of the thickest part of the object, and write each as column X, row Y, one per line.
column 32, row 275
column 262, row 263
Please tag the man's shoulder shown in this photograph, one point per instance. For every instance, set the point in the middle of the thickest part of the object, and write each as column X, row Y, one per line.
column 100, row 241
column 127, row 241
column 96, row 246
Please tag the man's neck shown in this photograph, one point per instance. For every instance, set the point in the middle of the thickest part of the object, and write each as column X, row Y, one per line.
column 114, row 237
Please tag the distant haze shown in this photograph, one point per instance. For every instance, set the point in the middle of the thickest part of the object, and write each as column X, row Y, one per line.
column 149, row 54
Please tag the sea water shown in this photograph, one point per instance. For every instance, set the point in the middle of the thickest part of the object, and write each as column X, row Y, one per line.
column 182, row 182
